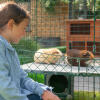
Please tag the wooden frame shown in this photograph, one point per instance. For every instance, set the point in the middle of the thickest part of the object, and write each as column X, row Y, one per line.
column 93, row 36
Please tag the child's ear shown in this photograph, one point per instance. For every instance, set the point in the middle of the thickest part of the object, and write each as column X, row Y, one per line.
column 10, row 24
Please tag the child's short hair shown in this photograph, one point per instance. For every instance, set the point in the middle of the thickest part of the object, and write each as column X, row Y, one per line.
column 11, row 10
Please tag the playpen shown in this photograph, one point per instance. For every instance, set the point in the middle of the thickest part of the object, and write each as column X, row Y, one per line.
column 63, row 24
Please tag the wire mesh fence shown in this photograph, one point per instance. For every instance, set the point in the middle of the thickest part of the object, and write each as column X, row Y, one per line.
column 56, row 28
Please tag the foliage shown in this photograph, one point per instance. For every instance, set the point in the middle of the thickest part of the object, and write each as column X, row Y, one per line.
column 49, row 5
column 25, row 58
column 92, row 7
column 26, row 49
column 64, row 1
column 62, row 48
column 26, row 44
column 37, row 77
column 21, row 0
column 97, row 9
column 85, row 6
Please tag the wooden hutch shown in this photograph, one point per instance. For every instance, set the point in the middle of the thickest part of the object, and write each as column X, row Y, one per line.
column 81, row 34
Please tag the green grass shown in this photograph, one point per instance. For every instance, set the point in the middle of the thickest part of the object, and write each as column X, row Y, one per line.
column 85, row 95
column 37, row 77
column 25, row 58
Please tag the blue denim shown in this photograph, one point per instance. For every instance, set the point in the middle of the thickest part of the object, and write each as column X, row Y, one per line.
column 34, row 97
column 14, row 81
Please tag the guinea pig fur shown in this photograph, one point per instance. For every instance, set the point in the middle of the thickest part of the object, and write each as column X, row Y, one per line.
column 48, row 56
column 73, row 55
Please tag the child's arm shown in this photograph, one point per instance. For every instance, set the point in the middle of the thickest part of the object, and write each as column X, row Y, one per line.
column 8, row 89
column 32, row 85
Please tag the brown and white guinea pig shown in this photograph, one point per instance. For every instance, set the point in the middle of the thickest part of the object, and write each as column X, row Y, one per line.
column 48, row 56
column 82, row 55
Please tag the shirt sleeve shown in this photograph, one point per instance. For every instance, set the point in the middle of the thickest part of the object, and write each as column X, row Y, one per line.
column 33, row 86
column 8, row 89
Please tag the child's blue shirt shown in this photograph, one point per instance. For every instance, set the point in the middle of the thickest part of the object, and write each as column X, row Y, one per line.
column 14, row 83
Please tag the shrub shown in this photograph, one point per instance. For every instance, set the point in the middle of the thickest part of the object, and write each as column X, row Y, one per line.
column 61, row 48
column 25, row 49
column 22, row 0
column 26, row 44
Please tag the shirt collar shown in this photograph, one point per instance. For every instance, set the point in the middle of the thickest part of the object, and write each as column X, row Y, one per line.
column 7, row 44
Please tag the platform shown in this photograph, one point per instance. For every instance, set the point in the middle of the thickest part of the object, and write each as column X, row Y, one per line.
column 60, row 68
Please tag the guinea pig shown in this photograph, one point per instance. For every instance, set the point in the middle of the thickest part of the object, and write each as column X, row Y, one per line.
column 47, row 56
column 83, row 55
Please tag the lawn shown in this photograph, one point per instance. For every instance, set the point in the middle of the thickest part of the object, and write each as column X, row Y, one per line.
column 85, row 95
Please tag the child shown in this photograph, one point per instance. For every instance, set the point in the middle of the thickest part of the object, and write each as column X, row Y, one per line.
column 14, row 83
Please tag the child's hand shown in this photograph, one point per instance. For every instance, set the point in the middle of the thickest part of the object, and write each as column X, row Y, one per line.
column 47, row 95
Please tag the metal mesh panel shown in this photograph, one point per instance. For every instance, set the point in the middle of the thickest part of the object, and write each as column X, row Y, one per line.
column 65, row 25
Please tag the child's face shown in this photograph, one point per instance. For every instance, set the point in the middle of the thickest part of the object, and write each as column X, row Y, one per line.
column 18, row 31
